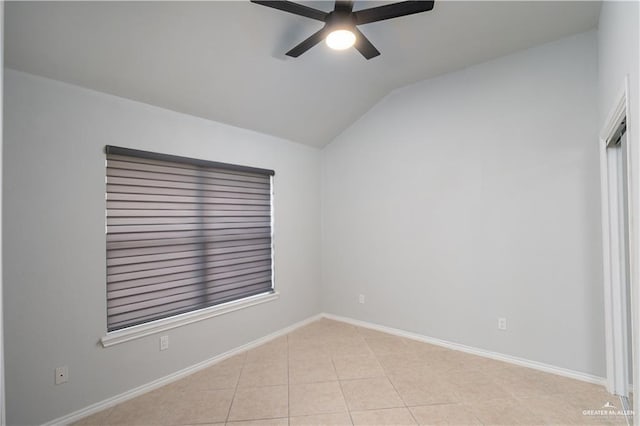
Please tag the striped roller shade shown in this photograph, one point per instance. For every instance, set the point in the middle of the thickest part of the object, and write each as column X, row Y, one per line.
column 183, row 234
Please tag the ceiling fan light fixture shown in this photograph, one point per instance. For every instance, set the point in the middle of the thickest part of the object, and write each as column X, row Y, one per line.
column 342, row 22
column 340, row 39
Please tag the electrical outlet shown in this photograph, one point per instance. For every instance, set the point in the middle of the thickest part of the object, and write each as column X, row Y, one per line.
column 361, row 299
column 62, row 375
column 502, row 323
column 164, row 343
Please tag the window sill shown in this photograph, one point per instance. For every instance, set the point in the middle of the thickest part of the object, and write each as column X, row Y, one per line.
column 142, row 330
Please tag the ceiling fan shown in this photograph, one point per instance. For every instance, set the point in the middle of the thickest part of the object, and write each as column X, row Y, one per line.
column 340, row 29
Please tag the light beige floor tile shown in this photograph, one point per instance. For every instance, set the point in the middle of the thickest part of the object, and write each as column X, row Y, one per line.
column 460, row 375
column 198, row 406
column 369, row 332
column 486, row 365
column 348, row 348
column 523, row 384
column 470, row 361
column 311, row 370
column 329, row 337
column 409, row 364
column 474, row 386
column 386, row 416
column 526, row 383
column 268, row 402
column 206, row 424
column 305, row 333
column 316, row 398
column 336, row 325
column 263, row 422
column 417, row 390
column 149, row 408
column 305, row 349
column 387, row 344
column 331, row 419
column 451, row 360
column 617, row 420
column 505, row 412
column 209, row 378
column 350, row 334
column 570, row 386
column 593, row 400
column 308, row 353
column 369, row 394
column 478, row 392
column 393, row 358
column 267, row 374
column 587, row 403
column 510, row 371
column 321, row 330
column 97, row 419
column 358, row 367
column 271, row 352
column 233, row 363
column 422, row 347
column 443, row 361
column 444, row 414
column 422, row 375
column 554, row 410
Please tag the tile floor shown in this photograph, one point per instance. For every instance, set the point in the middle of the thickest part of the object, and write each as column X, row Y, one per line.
column 332, row 373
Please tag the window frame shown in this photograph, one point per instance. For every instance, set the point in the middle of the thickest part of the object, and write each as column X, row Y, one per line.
column 136, row 331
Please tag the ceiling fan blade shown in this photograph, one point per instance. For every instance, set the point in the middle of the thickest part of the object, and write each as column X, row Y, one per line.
column 364, row 46
column 295, row 8
column 393, row 10
column 307, row 44
column 343, row 6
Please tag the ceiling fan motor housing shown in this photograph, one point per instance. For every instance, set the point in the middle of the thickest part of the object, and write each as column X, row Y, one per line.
column 339, row 20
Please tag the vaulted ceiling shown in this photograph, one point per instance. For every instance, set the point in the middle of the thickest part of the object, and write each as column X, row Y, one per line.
column 225, row 61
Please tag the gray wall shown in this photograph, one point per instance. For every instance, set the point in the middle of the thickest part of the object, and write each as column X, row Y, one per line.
column 54, row 243
column 618, row 55
column 474, row 196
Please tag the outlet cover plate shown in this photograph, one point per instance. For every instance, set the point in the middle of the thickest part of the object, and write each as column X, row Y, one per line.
column 164, row 343
column 502, row 324
column 62, row 375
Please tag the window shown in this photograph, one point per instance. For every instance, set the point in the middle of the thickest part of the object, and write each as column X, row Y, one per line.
column 183, row 234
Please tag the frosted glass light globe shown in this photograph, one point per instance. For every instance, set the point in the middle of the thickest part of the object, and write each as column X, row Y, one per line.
column 340, row 39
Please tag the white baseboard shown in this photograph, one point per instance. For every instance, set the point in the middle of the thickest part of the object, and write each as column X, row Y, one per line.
column 125, row 396
column 547, row 368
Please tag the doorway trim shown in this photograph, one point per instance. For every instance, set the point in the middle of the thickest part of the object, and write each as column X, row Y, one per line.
column 615, row 297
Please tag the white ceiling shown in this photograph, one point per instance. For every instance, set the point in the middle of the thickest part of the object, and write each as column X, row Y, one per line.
column 225, row 61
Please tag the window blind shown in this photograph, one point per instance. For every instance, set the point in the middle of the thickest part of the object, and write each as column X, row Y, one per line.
column 183, row 234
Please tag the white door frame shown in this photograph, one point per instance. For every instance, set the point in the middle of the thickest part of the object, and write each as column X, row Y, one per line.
column 615, row 297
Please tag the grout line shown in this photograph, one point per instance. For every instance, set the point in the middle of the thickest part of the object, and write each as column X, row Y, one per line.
column 346, row 404
column 360, row 410
column 235, row 391
column 247, row 420
column 399, row 396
